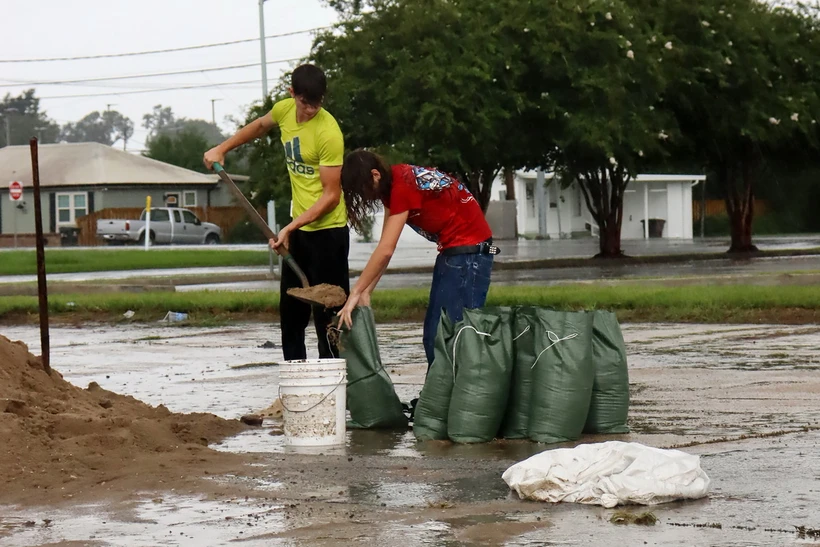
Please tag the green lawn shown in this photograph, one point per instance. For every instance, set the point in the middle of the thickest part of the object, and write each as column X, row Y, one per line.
column 708, row 304
column 134, row 258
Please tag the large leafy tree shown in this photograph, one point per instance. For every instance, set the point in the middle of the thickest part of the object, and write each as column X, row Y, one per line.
column 744, row 92
column 183, row 149
column 21, row 118
column 431, row 80
column 594, row 68
column 105, row 127
column 162, row 121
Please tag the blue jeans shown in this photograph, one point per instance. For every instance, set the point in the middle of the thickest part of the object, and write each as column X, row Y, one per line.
column 459, row 282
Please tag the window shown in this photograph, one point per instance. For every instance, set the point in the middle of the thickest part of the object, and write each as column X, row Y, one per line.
column 189, row 217
column 177, row 216
column 189, row 199
column 70, row 207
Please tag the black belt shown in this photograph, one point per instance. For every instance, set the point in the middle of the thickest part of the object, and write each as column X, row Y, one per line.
column 485, row 247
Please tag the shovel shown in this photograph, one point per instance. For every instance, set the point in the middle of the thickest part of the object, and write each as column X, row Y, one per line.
column 329, row 297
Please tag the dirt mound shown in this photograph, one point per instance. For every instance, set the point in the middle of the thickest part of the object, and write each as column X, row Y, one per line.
column 60, row 441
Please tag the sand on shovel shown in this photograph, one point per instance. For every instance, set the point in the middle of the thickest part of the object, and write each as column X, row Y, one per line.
column 330, row 296
column 62, row 442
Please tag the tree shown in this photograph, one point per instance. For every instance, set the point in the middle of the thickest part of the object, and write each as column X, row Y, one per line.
column 183, row 149
column 157, row 119
column 104, row 127
column 443, row 97
column 21, row 119
column 161, row 120
column 595, row 68
column 745, row 90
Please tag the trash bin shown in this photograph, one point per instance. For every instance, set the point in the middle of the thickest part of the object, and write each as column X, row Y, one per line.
column 655, row 227
column 69, row 236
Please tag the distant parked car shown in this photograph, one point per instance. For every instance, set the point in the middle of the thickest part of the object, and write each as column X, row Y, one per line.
column 168, row 225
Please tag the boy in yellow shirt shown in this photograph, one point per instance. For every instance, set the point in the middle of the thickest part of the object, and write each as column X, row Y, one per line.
column 318, row 236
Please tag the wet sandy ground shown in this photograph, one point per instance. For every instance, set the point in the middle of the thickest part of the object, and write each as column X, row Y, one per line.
column 744, row 397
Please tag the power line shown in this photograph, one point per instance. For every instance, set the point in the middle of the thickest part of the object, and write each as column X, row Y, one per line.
column 152, row 52
column 195, row 86
column 19, row 83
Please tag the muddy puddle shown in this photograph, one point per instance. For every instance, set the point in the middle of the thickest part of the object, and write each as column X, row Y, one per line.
column 754, row 426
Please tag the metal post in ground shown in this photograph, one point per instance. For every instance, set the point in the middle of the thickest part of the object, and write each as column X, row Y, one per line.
column 42, row 288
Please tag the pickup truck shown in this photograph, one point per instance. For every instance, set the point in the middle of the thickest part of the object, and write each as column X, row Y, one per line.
column 168, row 225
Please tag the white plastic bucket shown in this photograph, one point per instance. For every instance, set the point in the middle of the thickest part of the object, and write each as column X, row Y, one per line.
column 314, row 395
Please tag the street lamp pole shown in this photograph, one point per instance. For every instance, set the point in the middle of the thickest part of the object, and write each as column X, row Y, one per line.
column 262, row 47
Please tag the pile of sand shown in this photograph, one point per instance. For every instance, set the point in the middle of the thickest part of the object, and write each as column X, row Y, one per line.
column 330, row 296
column 60, row 441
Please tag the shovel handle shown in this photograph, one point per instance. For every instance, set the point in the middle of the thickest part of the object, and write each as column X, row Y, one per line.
column 257, row 219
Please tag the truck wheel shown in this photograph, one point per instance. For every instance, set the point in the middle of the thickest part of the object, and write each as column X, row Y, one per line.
column 142, row 238
column 212, row 239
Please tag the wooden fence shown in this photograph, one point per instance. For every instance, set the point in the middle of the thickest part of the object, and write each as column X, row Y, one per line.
column 226, row 218
column 716, row 207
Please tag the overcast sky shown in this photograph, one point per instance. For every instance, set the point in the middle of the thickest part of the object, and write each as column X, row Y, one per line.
column 57, row 28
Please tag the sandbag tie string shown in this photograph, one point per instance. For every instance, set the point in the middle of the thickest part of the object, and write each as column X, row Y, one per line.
column 455, row 343
column 555, row 339
column 523, row 332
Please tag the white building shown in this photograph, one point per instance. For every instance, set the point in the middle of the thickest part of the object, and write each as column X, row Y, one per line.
column 547, row 210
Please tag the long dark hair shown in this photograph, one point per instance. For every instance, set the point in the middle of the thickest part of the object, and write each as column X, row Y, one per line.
column 361, row 198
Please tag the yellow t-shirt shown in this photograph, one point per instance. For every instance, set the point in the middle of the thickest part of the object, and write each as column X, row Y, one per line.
column 317, row 142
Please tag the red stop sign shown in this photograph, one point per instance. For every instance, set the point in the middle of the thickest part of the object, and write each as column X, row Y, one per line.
column 15, row 190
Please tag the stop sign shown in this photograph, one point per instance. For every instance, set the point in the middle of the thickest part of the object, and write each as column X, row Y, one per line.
column 15, row 190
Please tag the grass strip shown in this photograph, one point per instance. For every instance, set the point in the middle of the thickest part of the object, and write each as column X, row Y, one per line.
column 131, row 258
column 706, row 304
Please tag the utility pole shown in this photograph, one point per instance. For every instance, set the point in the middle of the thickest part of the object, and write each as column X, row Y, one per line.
column 109, row 105
column 7, row 112
column 213, row 111
column 262, row 47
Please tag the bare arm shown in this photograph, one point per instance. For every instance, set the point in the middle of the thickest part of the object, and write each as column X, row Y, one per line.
column 378, row 262
column 367, row 291
column 257, row 128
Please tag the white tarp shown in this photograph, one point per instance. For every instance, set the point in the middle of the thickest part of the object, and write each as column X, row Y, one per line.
column 609, row 474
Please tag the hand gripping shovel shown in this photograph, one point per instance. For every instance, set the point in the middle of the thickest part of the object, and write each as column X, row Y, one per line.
column 320, row 295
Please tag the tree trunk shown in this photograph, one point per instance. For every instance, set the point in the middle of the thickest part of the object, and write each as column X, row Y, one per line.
column 603, row 192
column 740, row 204
column 480, row 184
column 509, row 182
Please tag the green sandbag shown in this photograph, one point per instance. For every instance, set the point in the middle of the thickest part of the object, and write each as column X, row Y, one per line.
column 430, row 415
column 609, row 407
column 562, row 376
column 371, row 398
column 517, row 415
column 483, row 366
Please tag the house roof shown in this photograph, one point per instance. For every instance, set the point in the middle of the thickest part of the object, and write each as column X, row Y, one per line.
column 642, row 177
column 94, row 164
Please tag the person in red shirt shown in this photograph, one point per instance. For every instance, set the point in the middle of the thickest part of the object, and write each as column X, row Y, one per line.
column 438, row 207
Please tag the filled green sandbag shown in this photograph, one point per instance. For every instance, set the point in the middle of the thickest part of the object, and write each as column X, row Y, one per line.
column 517, row 416
column 433, row 406
column 562, row 376
column 371, row 397
column 482, row 363
column 609, row 407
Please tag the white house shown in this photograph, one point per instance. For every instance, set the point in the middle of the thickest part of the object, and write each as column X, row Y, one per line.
column 547, row 210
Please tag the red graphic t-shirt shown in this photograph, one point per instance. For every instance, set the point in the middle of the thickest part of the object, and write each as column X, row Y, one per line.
column 440, row 207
